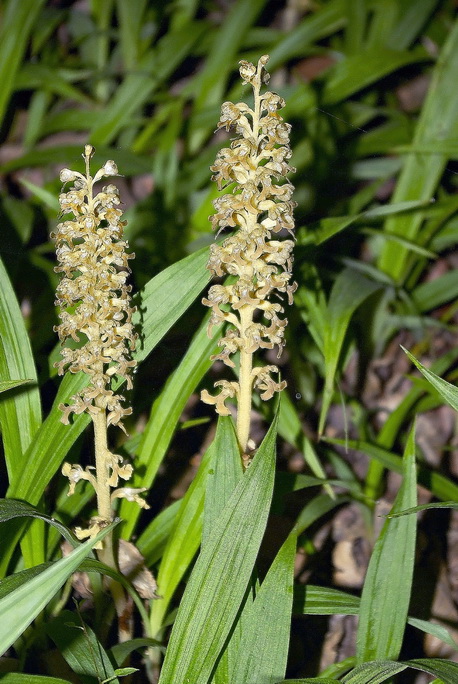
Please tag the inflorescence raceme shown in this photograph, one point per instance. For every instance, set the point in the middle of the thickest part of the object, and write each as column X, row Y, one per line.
column 260, row 205
column 95, row 310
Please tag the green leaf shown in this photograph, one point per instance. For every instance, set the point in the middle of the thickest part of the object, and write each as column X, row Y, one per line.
column 19, row 678
column 447, row 391
column 17, row 24
column 312, row 600
column 384, row 602
column 312, row 680
column 424, row 507
column 224, row 475
column 152, row 70
column 10, row 384
column 183, row 542
column 435, row 293
column 439, row 631
column 165, row 415
column 11, row 509
column 446, row 670
column 358, row 71
column 20, row 412
column 263, row 649
column 8, row 584
column 23, row 604
column 221, row 575
column 325, row 21
column 153, row 539
column 349, row 291
column 438, row 123
column 121, row 651
column 80, row 647
column 438, row 484
column 330, row 226
column 373, row 672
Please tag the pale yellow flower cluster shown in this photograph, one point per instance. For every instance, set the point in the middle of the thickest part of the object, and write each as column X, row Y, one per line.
column 259, row 205
column 96, row 313
column 92, row 295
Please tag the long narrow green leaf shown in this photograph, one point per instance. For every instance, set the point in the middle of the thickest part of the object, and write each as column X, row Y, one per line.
column 165, row 415
column 222, row 480
column 22, row 605
column 18, row 21
column 153, row 539
column 312, row 600
column 20, row 412
column 264, row 644
column 421, row 173
column 384, row 603
column 438, row 484
column 447, row 391
column 11, row 509
column 11, row 384
column 183, row 543
column 221, row 575
column 350, row 290
column 152, row 70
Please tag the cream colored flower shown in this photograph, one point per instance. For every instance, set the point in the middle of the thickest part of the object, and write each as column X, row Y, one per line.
column 93, row 294
column 259, row 206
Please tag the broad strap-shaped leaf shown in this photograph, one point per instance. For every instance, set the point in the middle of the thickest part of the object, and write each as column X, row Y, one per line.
column 264, row 644
column 221, row 575
column 313, row 600
column 20, row 412
column 387, row 587
column 80, row 647
column 23, row 604
column 165, row 414
column 350, row 290
column 224, row 475
column 183, row 542
column 222, row 480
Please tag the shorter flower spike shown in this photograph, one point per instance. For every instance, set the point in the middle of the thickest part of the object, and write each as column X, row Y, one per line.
column 260, row 208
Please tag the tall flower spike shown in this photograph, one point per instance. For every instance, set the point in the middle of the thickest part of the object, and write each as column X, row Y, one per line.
column 92, row 294
column 259, row 204
column 95, row 312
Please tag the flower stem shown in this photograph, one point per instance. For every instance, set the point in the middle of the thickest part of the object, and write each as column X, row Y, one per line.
column 245, row 384
column 106, row 554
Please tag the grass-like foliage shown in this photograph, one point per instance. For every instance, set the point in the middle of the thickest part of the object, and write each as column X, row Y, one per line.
column 227, row 356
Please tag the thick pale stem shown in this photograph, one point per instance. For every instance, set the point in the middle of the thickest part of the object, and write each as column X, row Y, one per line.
column 246, row 319
column 106, row 553
column 245, row 383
